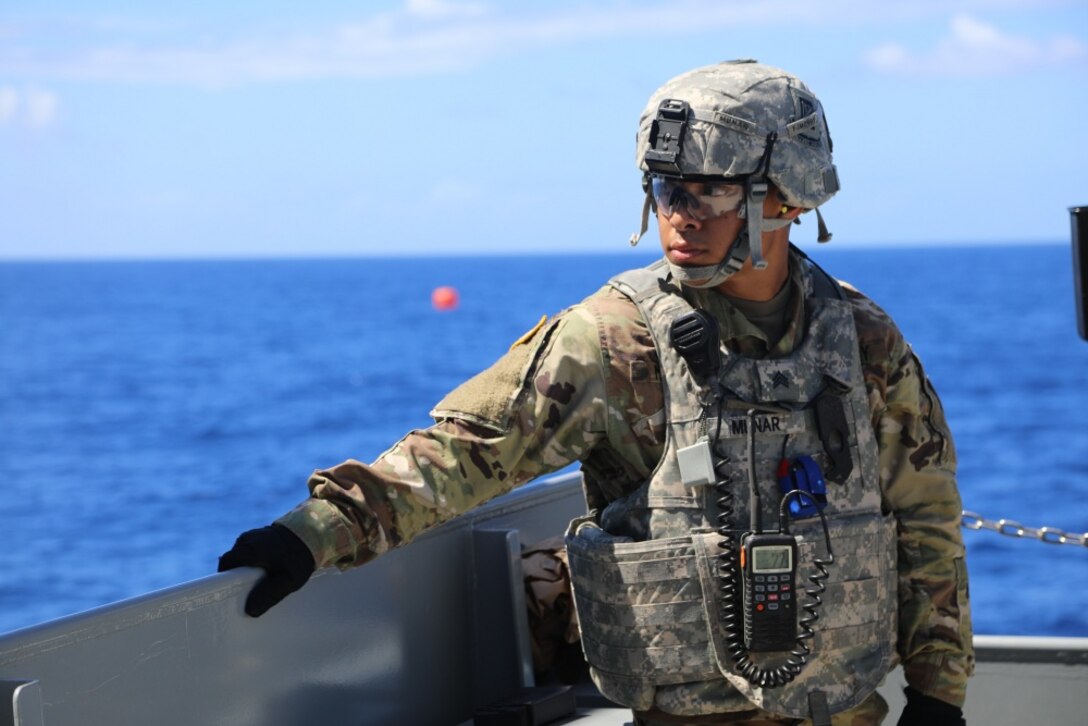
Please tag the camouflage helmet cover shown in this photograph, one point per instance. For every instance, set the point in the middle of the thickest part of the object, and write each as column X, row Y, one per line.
column 733, row 109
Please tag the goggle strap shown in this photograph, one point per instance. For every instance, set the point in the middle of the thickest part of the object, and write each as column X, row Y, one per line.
column 645, row 216
column 757, row 192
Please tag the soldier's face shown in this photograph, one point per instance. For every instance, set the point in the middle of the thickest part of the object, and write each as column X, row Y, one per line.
column 695, row 239
column 689, row 241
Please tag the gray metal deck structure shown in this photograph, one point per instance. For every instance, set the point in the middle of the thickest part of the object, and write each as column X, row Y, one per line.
column 421, row 636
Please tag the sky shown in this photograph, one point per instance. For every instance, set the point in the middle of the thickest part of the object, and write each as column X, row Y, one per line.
column 277, row 129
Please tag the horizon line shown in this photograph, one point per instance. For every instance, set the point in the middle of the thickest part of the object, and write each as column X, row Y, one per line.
column 648, row 251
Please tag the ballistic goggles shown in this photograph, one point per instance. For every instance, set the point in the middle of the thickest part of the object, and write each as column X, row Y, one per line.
column 698, row 199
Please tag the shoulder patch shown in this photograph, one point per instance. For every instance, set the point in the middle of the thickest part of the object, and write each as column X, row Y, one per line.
column 529, row 335
column 489, row 398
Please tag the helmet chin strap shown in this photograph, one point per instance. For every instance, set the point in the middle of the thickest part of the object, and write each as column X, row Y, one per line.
column 713, row 275
column 741, row 249
column 705, row 276
column 757, row 192
column 756, row 187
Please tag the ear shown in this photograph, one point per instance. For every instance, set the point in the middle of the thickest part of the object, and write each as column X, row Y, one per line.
column 777, row 208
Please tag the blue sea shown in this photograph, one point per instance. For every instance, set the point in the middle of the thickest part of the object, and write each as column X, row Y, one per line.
column 151, row 411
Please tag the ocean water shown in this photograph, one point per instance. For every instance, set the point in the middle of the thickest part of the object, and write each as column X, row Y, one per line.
column 151, row 411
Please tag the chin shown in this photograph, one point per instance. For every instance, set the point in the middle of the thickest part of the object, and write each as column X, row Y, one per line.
column 689, row 261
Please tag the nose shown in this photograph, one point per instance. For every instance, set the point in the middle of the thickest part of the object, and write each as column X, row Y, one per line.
column 681, row 218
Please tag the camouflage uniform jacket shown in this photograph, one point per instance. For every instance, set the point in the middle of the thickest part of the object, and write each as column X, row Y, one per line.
column 586, row 387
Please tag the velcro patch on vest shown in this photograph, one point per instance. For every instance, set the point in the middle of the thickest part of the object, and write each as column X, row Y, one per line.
column 781, row 381
column 765, row 423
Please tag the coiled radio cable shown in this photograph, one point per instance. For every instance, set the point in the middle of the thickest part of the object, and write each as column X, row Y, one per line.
column 731, row 612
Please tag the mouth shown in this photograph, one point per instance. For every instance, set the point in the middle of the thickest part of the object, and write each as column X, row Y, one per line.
column 681, row 252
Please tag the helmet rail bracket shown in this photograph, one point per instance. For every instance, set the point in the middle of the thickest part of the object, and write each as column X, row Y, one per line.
column 667, row 137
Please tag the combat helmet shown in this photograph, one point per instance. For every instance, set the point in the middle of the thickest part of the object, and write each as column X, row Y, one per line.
column 746, row 122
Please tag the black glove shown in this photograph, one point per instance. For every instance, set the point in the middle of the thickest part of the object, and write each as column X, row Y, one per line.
column 923, row 710
column 284, row 557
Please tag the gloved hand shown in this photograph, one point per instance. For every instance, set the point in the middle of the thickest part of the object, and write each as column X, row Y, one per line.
column 284, row 557
column 923, row 710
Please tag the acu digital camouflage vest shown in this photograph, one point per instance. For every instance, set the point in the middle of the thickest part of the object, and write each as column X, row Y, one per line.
column 649, row 610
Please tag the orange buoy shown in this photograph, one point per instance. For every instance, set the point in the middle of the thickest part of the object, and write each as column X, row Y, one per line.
column 445, row 298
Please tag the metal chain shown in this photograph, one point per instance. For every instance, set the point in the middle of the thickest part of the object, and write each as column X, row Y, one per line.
column 1012, row 528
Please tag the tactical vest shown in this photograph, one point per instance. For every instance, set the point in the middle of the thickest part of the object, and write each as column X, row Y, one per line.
column 649, row 610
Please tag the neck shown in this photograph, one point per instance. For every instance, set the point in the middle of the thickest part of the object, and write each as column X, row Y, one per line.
column 762, row 285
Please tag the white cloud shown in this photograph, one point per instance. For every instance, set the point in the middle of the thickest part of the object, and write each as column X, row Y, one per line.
column 9, row 103
column 439, row 9
column 32, row 107
column 421, row 36
column 41, row 107
column 439, row 36
column 973, row 48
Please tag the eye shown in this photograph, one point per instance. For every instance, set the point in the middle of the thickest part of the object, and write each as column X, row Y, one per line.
column 717, row 190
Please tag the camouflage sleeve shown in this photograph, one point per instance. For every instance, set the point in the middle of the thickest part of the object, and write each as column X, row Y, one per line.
column 539, row 408
column 918, row 480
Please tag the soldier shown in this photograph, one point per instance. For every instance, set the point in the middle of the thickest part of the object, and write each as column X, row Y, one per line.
column 687, row 444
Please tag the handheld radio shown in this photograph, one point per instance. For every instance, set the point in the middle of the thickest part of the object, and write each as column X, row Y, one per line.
column 768, row 565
